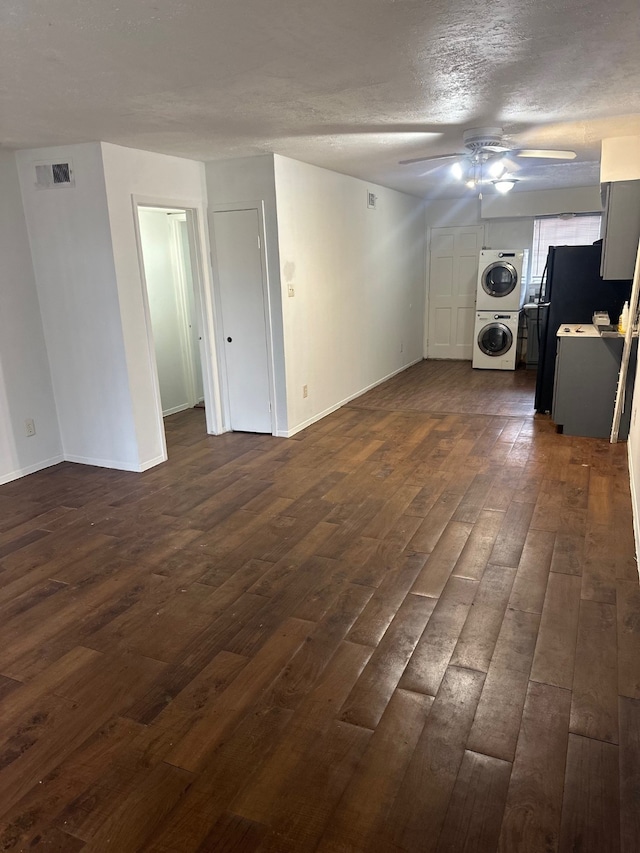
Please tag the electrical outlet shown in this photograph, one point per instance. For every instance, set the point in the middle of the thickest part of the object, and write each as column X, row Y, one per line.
column 292, row 290
column 29, row 427
column 305, row 391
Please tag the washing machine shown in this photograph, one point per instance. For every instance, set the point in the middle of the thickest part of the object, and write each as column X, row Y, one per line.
column 501, row 279
column 495, row 340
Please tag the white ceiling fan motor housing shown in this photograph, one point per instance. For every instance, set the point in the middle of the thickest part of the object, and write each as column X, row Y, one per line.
column 478, row 139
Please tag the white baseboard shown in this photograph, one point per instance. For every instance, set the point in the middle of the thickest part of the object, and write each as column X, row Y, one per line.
column 30, row 469
column 80, row 460
column 104, row 463
column 635, row 507
column 320, row 415
column 151, row 463
column 174, row 411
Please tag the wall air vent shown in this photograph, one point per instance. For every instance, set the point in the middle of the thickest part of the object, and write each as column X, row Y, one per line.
column 54, row 176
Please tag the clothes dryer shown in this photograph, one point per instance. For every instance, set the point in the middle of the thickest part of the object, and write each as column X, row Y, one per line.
column 501, row 279
column 495, row 340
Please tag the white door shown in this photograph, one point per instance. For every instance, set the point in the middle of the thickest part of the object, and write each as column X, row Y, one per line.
column 238, row 260
column 453, row 278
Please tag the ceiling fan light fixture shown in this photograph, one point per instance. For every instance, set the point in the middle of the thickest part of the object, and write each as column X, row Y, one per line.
column 487, row 158
column 505, row 185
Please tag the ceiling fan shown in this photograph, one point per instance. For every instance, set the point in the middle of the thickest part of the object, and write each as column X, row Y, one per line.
column 486, row 158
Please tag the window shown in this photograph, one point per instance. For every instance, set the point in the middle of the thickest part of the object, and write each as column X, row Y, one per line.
column 560, row 231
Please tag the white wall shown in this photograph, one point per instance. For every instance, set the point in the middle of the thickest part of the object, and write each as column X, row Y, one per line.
column 541, row 202
column 85, row 256
column 73, row 262
column 633, row 452
column 25, row 378
column 359, row 281
column 509, row 233
column 156, row 179
column 620, row 160
column 252, row 179
column 170, row 336
column 514, row 210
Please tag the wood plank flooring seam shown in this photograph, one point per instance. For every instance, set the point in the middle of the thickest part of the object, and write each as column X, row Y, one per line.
column 477, row 714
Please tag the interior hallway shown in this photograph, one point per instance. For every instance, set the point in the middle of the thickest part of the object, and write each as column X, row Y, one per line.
column 415, row 626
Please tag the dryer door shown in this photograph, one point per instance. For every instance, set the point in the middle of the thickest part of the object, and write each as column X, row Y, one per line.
column 495, row 339
column 500, row 279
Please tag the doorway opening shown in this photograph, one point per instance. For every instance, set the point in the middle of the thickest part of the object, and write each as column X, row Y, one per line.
column 168, row 247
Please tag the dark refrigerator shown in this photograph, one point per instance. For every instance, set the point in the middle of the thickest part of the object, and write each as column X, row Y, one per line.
column 573, row 291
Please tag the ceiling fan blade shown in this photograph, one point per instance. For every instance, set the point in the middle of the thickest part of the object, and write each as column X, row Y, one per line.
column 496, row 149
column 545, row 153
column 425, row 159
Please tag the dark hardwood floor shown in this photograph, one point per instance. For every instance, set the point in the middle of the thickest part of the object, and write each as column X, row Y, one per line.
column 415, row 626
column 452, row 387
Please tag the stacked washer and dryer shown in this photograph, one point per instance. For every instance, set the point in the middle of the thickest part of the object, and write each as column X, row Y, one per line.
column 499, row 300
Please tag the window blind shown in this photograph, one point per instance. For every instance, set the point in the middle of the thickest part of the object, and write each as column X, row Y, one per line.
column 560, row 231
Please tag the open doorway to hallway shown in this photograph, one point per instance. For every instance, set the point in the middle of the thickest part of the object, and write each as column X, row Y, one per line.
column 168, row 252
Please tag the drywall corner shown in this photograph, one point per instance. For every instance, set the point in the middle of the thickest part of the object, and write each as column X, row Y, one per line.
column 72, row 255
column 25, row 377
column 132, row 175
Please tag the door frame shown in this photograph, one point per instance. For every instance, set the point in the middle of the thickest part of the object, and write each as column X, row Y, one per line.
column 230, row 207
column 204, row 307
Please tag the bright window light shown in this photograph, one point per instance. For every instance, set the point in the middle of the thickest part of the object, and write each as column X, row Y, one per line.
column 579, row 230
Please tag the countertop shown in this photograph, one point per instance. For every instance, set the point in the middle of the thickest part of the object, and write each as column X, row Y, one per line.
column 588, row 330
column 578, row 330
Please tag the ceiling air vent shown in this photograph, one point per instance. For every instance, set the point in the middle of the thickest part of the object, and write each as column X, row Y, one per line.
column 54, row 175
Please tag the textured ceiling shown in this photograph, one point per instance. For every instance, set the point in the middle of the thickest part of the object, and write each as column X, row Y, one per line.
column 352, row 85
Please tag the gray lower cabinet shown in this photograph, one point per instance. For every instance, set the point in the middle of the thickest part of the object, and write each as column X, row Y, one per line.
column 586, row 381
